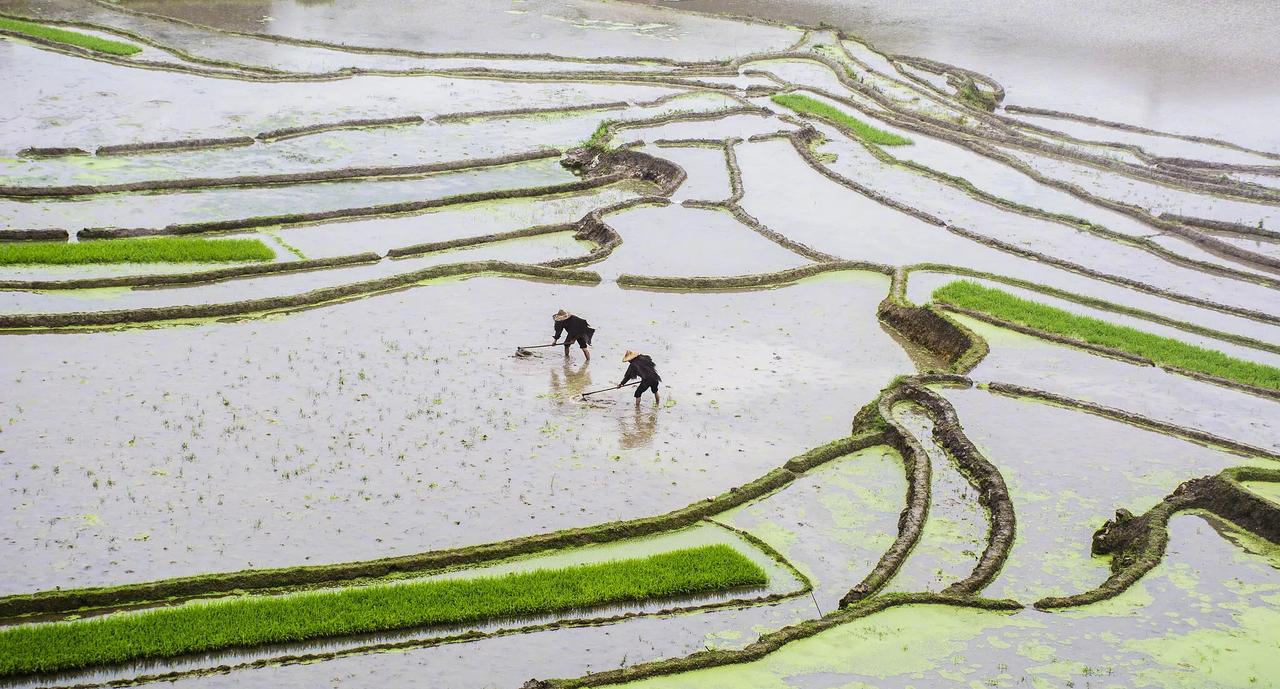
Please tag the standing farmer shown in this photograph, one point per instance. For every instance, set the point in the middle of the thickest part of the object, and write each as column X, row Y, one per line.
column 641, row 366
column 575, row 329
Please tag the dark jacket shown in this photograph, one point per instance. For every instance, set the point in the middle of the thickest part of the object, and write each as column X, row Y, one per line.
column 641, row 367
column 575, row 327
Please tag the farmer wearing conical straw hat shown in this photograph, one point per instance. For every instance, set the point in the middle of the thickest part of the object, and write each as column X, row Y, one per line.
column 576, row 330
column 641, row 366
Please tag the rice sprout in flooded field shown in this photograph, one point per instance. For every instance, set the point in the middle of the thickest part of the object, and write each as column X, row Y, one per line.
column 1159, row 349
column 151, row 250
column 811, row 106
column 599, row 139
column 75, row 38
column 254, row 621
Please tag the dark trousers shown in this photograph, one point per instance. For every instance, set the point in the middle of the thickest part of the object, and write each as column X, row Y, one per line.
column 583, row 339
column 646, row 385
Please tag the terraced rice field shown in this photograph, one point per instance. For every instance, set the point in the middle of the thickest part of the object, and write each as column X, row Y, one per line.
column 965, row 382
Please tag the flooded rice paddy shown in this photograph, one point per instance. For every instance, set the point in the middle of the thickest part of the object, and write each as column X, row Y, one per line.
column 935, row 495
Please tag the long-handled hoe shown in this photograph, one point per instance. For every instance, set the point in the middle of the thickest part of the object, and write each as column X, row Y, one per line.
column 616, row 387
column 524, row 351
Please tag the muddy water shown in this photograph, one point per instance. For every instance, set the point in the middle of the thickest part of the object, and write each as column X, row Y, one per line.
column 1055, row 239
column 835, row 522
column 782, row 581
column 955, row 532
column 1068, row 472
column 574, row 27
column 1205, row 617
column 260, row 443
column 1156, row 198
column 262, row 52
column 400, row 423
column 712, row 242
column 1200, row 68
column 38, row 114
column 403, row 145
column 159, row 210
column 490, row 217
column 786, row 194
column 1152, row 143
column 740, row 126
column 1146, row 390
column 1269, row 491
column 509, row 661
column 708, row 174
column 526, row 250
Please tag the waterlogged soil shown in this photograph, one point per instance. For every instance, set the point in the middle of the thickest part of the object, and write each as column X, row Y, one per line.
column 1145, row 390
column 260, row 443
column 955, row 533
column 575, row 27
column 1205, row 617
column 1156, row 198
column 263, row 52
column 1079, row 471
column 1183, row 66
column 1270, row 491
column 509, row 661
column 834, row 522
column 373, row 147
column 712, row 243
column 42, row 115
column 782, row 582
column 380, row 234
column 402, row 422
column 708, row 173
column 526, row 250
column 159, row 210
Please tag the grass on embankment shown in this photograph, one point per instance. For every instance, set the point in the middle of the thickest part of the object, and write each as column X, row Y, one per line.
column 157, row 250
column 253, row 621
column 1162, row 350
column 49, row 33
column 600, row 137
column 860, row 129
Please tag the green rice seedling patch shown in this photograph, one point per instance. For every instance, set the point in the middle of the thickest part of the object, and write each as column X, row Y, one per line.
column 600, row 137
column 150, row 250
column 848, row 123
column 1161, row 350
column 254, row 621
column 49, row 33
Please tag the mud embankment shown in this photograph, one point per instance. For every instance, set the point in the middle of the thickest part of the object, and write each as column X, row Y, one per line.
column 1136, row 544
column 42, row 235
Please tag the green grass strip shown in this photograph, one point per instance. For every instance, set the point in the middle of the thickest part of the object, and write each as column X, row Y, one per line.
column 75, row 38
column 157, row 250
column 1162, row 350
column 253, row 621
column 862, row 130
column 600, row 137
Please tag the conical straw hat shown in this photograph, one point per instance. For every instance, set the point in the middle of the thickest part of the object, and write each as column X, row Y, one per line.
column 561, row 315
column 629, row 355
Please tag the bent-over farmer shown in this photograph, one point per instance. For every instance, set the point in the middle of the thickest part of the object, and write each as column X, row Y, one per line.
column 641, row 366
column 575, row 329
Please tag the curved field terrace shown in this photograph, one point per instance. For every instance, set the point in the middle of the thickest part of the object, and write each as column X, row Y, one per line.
column 964, row 380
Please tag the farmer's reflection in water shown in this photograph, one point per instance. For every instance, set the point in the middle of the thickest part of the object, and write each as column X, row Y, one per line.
column 570, row 381
column 636, row 429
